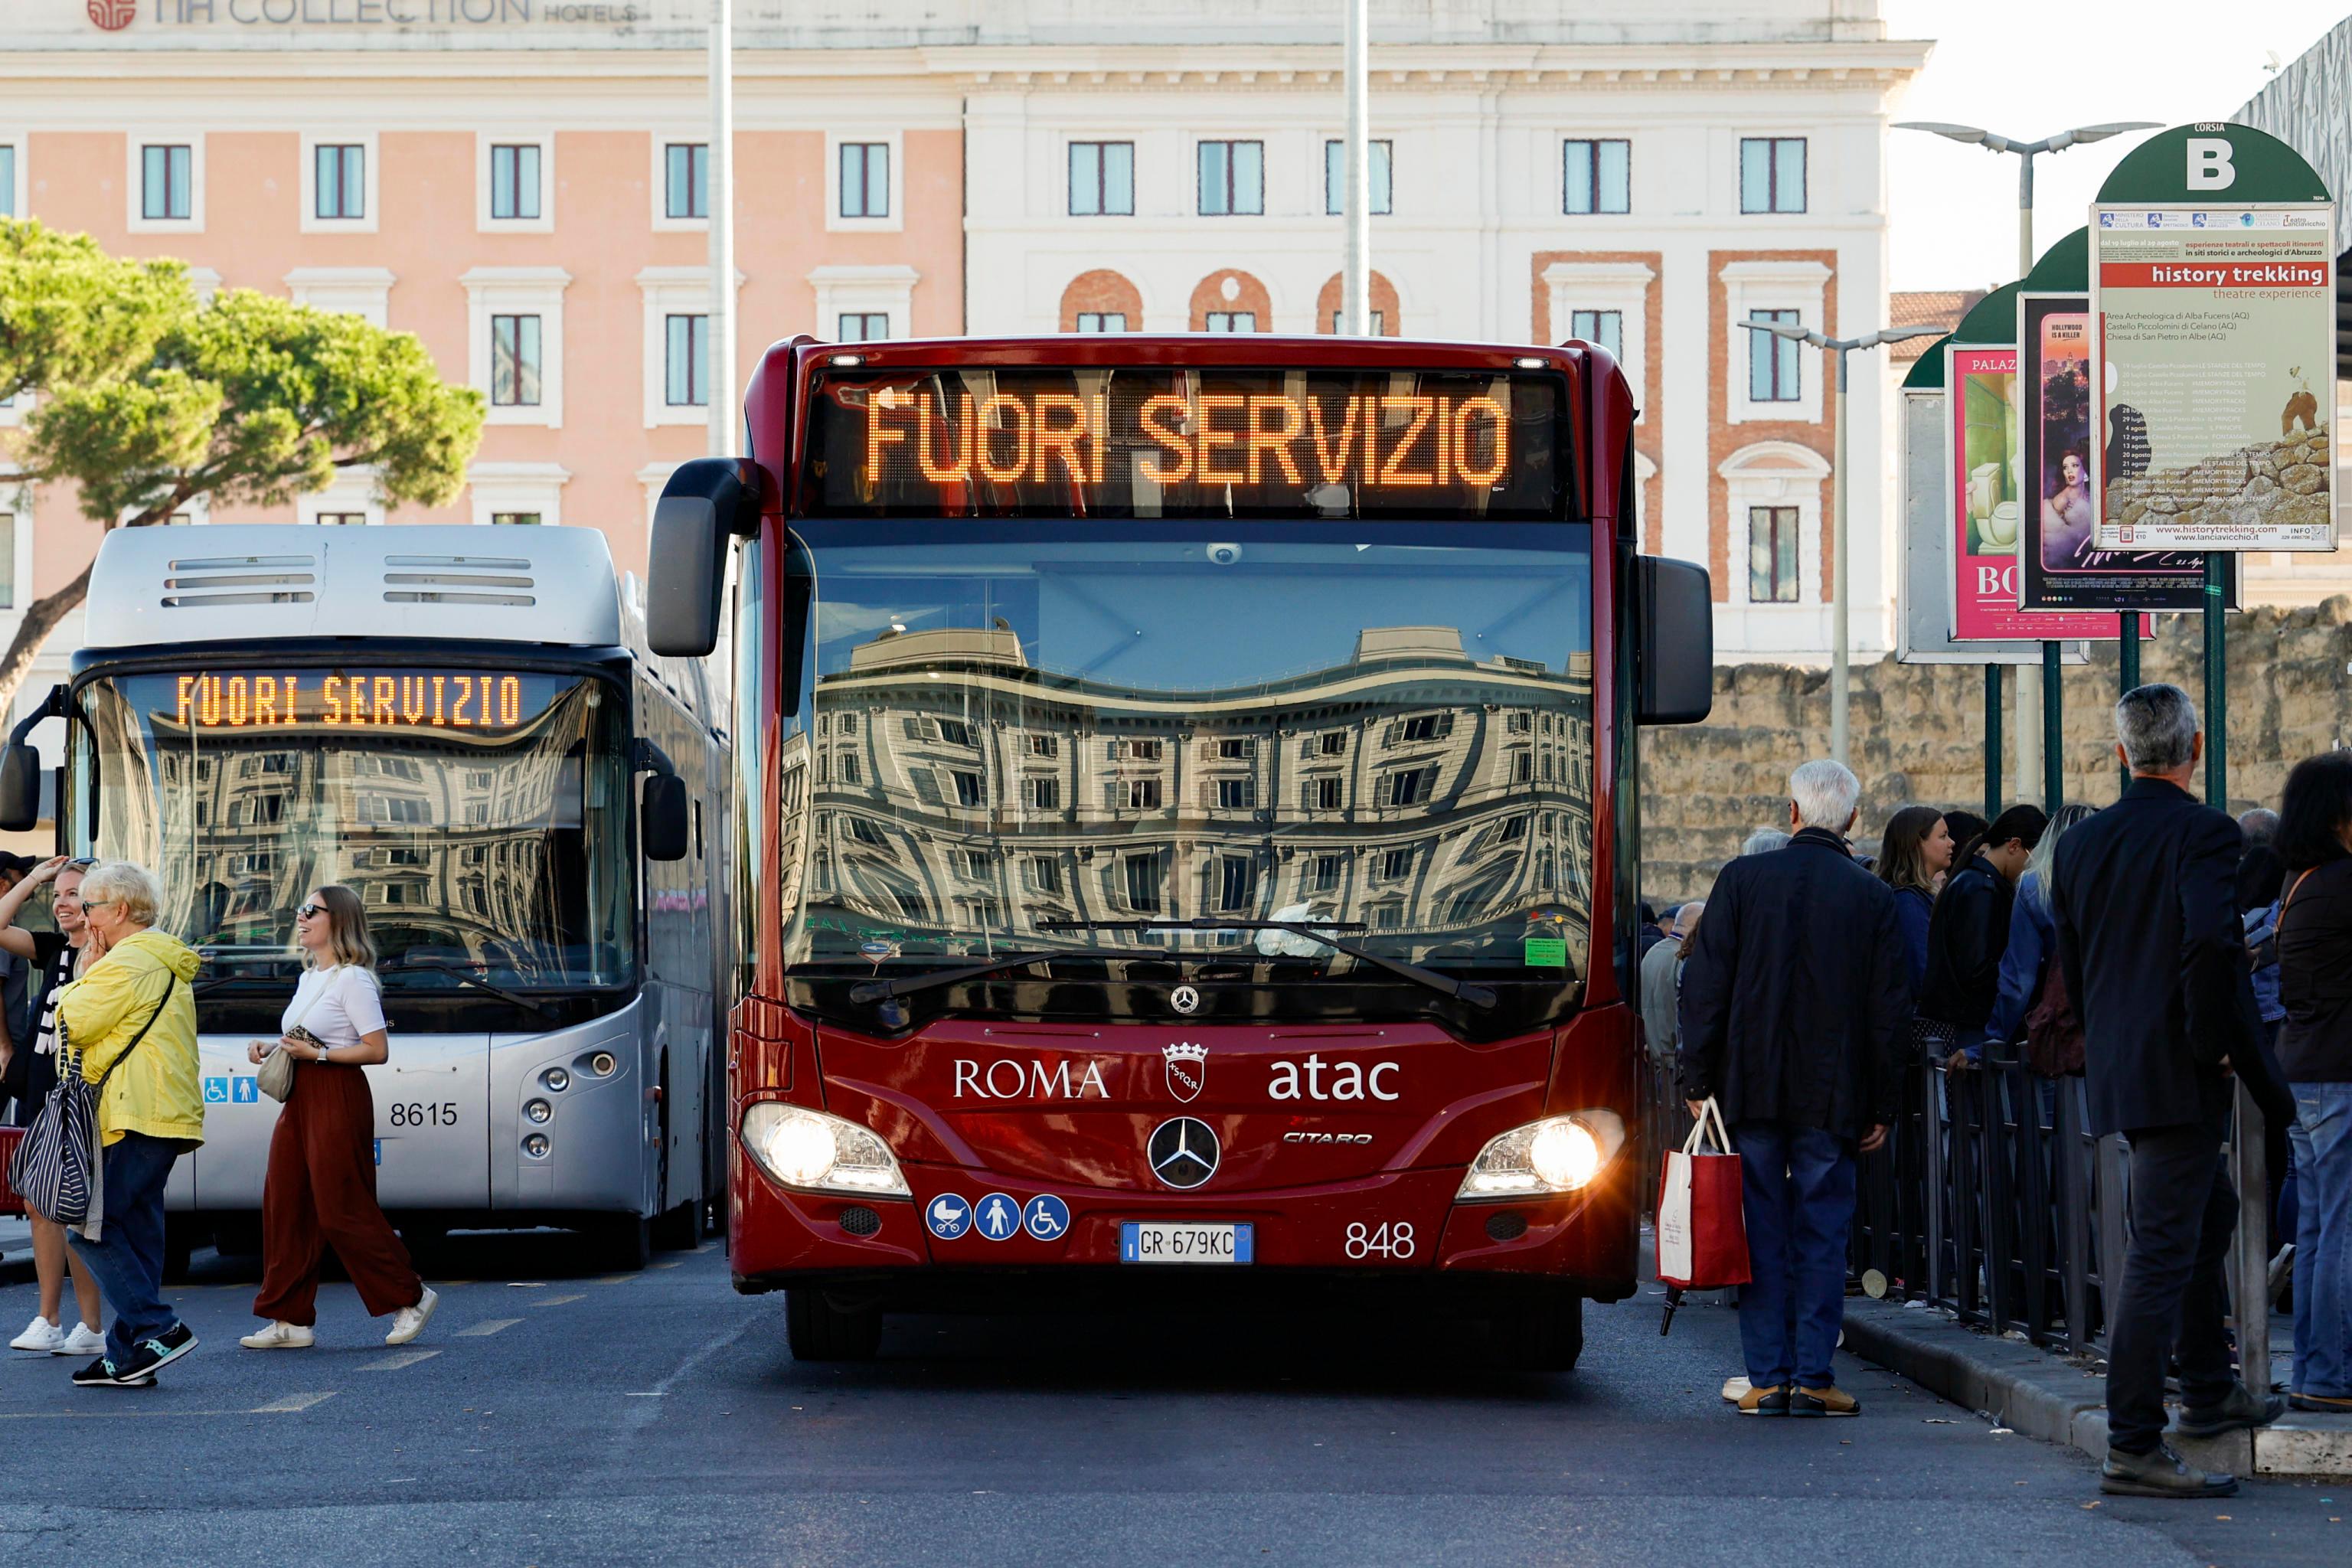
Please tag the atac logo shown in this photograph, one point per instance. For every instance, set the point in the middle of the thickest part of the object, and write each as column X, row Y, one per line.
column 1187, row 1069
column 113, row 16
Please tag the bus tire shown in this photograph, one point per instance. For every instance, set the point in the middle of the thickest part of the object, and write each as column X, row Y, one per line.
column 1545, row 1332
column 179, row 1247
column 816, row 1330
column 625, row 1242
column 679, row 1229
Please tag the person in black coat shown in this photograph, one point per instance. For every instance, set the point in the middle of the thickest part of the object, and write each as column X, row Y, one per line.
column 1795, row 1001
column 2145, row 904
column 1968, row 932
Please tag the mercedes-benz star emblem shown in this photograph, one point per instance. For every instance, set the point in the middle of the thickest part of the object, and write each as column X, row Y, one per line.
column 1185, row 1000
column 1184, row 1153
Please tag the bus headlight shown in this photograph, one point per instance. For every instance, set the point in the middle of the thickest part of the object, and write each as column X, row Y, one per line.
column 815, row 1152
column 1557, row 1154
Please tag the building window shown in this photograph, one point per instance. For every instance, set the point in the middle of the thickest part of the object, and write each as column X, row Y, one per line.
column 1236, row 794
column 1143, row 750
column 514, row 361
column 687, row 361
column 1041, row 794
column 1598, row 178
column 1143, row 883
column 1772, row 554
column 1775, row 374
column 1044, row 745
column 167, row 182
column 1396, row 865
column 967, row 787
column 1334, row 742
column 865, row 179
column 342, row 519
column 863, row 326
column 1102, row 179
column 1523, row 767
column 1143, row 794
column 340, row 181
column 849, row 774
column 1323, row 793
column 515, row 518
column 1102, row 321
column 1606, row 328
column 1380, row 321
column 686, row 184
column 1042, row 874
column 1335, row 178
column 1411, row 786
column 7, row 181
column 8, row 561
column 514, row 182
column 1232, row 179
column 951, row 731
column 1236, row 882
column 1230, row 322
column 1234, row 748
column 1772, row 174
column 1327, row 873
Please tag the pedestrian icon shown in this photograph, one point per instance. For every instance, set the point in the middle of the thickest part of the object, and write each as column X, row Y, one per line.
column 215, row 1092
column 244, row 1091
column 1000, row 1217
column 949, row 1217
column 1046, row 1217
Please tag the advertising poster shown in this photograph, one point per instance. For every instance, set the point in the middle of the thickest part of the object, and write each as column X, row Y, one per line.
column 1923, row 591
column 2217, row 375
column 2061, row 565
column 1984, row 482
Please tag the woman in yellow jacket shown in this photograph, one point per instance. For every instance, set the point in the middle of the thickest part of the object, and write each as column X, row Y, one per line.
column 133, row 1018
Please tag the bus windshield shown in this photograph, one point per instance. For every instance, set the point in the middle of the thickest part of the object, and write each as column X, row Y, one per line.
column 1021, row 735
column 481, row 816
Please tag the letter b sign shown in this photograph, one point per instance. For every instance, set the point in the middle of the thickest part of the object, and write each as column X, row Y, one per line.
column 2208, row 164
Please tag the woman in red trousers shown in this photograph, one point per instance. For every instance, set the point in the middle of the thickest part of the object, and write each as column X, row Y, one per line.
column 321, row 1184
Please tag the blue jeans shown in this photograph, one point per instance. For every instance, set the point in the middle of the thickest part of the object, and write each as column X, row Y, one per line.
column 128, row 1258
column 2321, row 1139
column 1798, row 1200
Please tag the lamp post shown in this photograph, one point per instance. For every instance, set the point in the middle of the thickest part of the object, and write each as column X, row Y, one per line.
column 1355, row 281
column 1840, row 642
column 719, row 166
column 2029, row 736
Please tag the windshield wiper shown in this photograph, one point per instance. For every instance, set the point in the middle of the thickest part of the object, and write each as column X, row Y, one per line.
column 891, row 990
column 456, row 972
column 1461, row 991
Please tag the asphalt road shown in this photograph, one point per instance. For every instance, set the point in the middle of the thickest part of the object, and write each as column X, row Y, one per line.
column 553, row 1416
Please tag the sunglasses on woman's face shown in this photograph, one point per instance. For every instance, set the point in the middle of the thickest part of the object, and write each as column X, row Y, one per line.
column 310, row 911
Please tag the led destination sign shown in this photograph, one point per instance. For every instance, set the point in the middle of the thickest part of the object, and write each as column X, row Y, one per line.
column 416, row 699
column 1146, row 442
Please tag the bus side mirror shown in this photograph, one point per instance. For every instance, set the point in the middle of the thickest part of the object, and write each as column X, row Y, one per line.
column 661, row 816
column 1674, row 647
column 705, row 503
column 20, row 787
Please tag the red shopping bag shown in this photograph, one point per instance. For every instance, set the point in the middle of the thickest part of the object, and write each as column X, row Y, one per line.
column 1702, row 1235
column 9, row 1138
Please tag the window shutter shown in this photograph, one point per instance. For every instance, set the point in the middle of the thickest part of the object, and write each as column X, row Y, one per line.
column 1306, row 795
column 1446, row 722
column 914, row 728
column 927, row 786
column 1208, row 794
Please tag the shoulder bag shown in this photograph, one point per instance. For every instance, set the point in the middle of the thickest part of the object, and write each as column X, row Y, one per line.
column 277, row 1075
column 59, row 1168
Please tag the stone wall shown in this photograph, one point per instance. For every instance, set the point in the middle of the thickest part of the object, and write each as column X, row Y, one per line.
column 1918, row 733
column 2277, row 484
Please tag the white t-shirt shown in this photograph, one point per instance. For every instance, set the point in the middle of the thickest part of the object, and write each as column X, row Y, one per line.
column 350, row 1003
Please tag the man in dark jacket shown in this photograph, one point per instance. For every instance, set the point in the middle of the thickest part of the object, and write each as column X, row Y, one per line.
column 1795, row 1001
column 2146, row 909
column 1968, row 932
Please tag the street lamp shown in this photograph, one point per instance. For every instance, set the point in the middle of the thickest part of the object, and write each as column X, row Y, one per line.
column 2029, row 733
column 1838, row 638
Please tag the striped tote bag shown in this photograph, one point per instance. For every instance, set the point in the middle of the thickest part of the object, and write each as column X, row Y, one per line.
column 58, row 1170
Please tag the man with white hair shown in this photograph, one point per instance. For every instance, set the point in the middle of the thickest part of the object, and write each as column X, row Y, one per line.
column 1660, row 980
column 1794, row 1004
column 2144, row 901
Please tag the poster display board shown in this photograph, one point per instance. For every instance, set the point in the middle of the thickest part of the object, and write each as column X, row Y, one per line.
column 2215, row 364
column 1984, row 484
column 2061, row 565
column 1924, row 590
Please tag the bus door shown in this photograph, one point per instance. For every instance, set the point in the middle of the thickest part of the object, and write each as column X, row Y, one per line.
column 432, row 1122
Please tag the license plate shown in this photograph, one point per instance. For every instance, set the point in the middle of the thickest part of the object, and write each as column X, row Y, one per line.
column 1154, row 1241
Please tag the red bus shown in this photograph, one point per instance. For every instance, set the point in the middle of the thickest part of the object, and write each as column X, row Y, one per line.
column 1187, row 829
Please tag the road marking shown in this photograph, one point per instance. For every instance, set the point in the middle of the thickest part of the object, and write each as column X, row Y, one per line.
column 616, row 1279
column 292, row 1403
column 646, row 1393
column 395, row 1362
column 486, row 1328
column 671, row 1263
column 557, row 1300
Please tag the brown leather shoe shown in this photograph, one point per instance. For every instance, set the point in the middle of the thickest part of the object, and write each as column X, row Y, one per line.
column 1772, row 1401
column 1829, row 1401
column 2337, row 1404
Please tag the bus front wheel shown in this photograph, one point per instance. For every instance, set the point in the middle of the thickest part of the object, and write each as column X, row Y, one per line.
column 819, row 1330
column 1542, row 1332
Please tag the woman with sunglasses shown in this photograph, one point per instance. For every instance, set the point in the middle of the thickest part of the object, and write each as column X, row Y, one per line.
column 30, row 1071
column 321, row 1187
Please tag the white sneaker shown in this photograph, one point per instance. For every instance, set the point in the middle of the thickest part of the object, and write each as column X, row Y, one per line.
column 41, row 1336
column 409, row 1322
column 83, row 1341
column 279, row 1335
column 1734, row 1389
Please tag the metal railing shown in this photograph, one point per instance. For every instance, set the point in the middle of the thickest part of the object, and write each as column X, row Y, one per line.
column 1992, row 1200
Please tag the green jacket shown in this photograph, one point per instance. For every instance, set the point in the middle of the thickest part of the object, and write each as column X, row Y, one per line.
column 159, row 1090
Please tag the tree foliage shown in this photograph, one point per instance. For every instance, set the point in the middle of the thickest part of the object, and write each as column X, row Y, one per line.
column 145, row 399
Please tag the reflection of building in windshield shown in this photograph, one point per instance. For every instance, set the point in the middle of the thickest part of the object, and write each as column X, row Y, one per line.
column 1413, row 789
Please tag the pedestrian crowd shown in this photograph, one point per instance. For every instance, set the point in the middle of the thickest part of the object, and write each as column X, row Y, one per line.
column 102, row 998
column 2158, row 949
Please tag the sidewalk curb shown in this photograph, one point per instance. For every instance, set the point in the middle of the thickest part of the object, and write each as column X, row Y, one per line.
column 2043, row 1396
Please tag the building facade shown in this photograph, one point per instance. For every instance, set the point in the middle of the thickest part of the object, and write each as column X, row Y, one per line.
column 522, row 183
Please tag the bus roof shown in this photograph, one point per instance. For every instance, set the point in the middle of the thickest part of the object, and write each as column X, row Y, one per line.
column 165, row 586
column 1254, row 350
